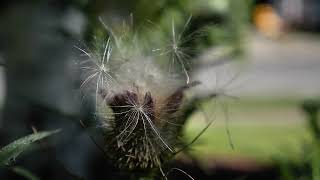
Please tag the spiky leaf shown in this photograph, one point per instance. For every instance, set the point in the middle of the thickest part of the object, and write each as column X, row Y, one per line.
column 14, row 149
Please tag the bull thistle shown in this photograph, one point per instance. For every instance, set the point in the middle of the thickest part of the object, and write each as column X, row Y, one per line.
column 137, row 103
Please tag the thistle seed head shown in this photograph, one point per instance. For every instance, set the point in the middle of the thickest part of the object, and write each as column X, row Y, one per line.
column 138, row 103
column 140, row 138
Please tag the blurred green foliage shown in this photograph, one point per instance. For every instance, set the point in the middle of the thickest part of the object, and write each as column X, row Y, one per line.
column 308, row 165
column 24, row 173
column 219, row 22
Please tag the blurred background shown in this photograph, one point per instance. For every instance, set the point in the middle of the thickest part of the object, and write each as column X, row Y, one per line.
column 260, row 56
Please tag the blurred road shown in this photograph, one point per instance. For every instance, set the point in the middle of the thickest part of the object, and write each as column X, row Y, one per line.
column 288, row 67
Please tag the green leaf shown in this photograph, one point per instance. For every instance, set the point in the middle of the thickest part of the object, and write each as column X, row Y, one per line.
column 24, row 173
column 315, row 162
column 14, row 149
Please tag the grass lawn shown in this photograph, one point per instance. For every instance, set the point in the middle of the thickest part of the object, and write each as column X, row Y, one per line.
column 261, row 129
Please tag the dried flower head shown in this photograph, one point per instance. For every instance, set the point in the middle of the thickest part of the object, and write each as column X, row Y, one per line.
column 137, row 102
column 144, row 126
